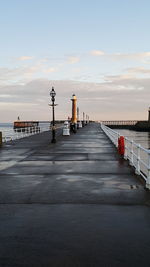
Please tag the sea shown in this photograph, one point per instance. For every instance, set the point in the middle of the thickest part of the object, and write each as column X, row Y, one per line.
column 142, row 138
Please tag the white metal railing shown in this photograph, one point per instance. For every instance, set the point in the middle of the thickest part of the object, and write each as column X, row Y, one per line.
column 138, row 156
column 113, row 135
column 22, row 132
column 11, row 135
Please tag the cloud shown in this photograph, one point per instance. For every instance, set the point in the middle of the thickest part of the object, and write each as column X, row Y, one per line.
column 10, row 76
column 138, row 70
column 6, row 96
column 117, row 97
column 73, row 59
column 23, row 74
column 23, row 58
column 97, row 53
column 143, row 56
column 112, row 98
column 50, row 70
column 39, row 88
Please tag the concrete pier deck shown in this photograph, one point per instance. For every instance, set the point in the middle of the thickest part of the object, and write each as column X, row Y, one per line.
column 73, row 203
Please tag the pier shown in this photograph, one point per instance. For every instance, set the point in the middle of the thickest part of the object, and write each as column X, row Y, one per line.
column 73, row 203
column 136, row 125
column 129, row 124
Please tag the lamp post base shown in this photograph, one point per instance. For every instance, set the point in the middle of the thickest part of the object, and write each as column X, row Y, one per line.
column 53, row 141
column 53, row 136
column 73, row 127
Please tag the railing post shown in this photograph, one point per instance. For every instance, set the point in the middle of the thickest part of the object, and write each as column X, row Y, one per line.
column 137, row 171
column 118, row 136
column 131, row 153
column 148, row 174
column 21, row 133
column 126, row 149
column 26, row 132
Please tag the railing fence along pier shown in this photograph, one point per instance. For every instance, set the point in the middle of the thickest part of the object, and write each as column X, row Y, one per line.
column 22, row 132
column 138, row 156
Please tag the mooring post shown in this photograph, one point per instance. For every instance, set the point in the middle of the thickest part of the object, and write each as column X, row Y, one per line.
column 66, row 129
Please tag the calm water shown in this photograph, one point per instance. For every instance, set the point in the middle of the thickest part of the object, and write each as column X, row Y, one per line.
column 142, row 138
column 7, row 129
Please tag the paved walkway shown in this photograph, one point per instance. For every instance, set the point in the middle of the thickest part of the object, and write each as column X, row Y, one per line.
column 73, row 203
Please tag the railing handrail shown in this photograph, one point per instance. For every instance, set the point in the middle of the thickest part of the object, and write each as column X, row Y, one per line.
column 132, row 153
column 23, row 132
column 136, row 144
column 26, row 131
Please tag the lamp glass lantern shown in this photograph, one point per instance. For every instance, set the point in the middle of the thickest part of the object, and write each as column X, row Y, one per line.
column 52, row 93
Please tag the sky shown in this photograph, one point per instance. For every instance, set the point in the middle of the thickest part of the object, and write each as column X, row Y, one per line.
column 98, row 50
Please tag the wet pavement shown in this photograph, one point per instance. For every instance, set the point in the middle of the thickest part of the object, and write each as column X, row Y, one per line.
column 73, row 203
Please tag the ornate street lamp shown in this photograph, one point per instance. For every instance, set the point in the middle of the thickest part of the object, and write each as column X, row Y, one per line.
column 53, row 94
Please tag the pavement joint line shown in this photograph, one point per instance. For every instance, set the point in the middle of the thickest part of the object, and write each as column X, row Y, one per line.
column 76, row 203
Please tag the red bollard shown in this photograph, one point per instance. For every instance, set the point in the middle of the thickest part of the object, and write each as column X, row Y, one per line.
column 121, row 145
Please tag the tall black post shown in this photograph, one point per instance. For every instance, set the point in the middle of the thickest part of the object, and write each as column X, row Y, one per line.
column 53, row 128
column 52, row 94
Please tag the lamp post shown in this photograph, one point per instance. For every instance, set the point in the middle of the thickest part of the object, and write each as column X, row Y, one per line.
column 53, row 94
column 149, row 115
column 83, row 124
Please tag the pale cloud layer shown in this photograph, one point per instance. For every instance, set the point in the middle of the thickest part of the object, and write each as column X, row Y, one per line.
column 118, row 97
column 50, row 70
column 142, row 57
column 24, row 90
column 97, row 53
column 73, row 60
column 23, row 58
column 138, row 70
